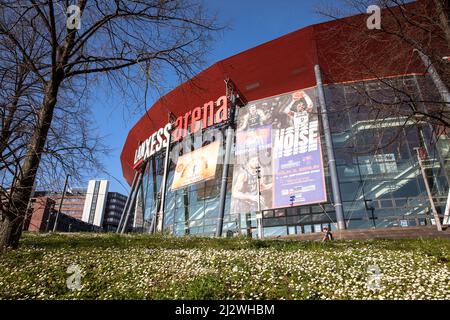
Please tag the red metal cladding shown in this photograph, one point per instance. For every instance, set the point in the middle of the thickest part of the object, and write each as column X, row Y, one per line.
column 281, row 65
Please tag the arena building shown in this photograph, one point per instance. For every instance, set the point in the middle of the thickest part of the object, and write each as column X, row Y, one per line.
column 290, row 137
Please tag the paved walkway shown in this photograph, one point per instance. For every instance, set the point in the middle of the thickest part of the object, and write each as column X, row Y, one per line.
column 381, row 233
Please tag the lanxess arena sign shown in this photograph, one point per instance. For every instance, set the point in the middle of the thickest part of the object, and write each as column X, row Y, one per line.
column 200, row 117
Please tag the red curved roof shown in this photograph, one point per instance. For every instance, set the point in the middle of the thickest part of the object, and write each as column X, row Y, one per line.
column 281, row 65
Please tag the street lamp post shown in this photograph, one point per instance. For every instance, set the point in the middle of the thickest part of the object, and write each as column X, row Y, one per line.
column 259, row 213
column 55, row 225
column 47, row 225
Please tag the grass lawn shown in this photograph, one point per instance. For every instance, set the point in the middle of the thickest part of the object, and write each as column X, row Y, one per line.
column 157, row 267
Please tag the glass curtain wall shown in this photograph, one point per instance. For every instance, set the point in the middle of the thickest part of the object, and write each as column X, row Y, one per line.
column 380, row 179
column 381, row 184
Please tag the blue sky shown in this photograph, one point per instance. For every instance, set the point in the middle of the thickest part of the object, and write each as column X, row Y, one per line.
column 251, row 23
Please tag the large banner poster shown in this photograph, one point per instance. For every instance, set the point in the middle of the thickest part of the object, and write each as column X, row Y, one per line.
column 278, row 137
column 196, row 166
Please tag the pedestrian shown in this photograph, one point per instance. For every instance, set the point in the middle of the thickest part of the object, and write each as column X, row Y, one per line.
column 327, row 235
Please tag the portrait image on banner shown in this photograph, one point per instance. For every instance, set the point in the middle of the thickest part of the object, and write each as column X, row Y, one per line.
column 196, row 166
column 279, row 137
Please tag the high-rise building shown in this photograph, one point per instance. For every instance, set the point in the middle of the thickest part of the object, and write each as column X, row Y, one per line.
column 113, row 210
column 103, row 208
column 95, row 203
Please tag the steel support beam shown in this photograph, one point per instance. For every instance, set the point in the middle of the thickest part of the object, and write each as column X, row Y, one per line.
column 226, row 163
column 330, row 152
column 127, row 203
column 160, row 214
column 443, row 90
column 133, row 198
column 428, row 189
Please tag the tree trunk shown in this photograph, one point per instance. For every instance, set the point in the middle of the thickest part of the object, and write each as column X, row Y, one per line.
column 8, row 232
column 13, row 218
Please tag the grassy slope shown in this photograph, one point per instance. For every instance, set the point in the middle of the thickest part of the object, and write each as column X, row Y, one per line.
column 156, row 267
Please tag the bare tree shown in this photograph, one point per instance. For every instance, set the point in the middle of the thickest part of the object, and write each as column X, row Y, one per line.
column 117, row 39
column 406, row 28
column 395, row 96
column 378, row 54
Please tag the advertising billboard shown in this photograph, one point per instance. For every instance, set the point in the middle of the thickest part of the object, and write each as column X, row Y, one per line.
column 196, row 166
column 278, row 138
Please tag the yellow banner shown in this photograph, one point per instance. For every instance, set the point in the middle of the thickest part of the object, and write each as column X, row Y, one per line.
column 196, row 166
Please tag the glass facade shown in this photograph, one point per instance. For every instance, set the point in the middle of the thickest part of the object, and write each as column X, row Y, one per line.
column 380, row 180
column 379, row 176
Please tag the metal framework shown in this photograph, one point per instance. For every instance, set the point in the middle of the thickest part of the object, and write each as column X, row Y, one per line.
column 232, row 95
column 421, row 154
column 157, row 223
column 129, row 203
column 330, row 152
column 160, row 213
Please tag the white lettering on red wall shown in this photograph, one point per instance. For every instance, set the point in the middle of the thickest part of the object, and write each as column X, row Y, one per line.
column 201, row 117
